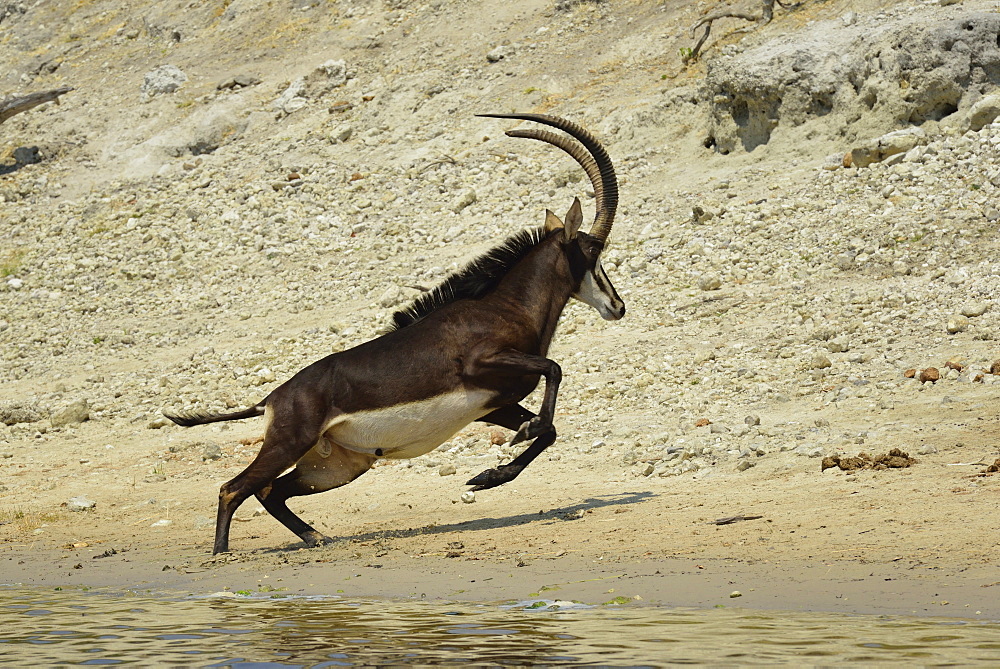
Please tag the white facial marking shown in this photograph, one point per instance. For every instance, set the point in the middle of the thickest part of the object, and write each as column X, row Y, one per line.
column 597, row 291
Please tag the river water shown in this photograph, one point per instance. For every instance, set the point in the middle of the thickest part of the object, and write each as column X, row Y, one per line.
column 78, row 627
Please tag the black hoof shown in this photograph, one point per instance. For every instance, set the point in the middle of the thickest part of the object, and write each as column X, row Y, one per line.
column 317, row 539
column 491, row 478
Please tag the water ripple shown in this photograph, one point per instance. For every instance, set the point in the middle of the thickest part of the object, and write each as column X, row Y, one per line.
column 80, row 628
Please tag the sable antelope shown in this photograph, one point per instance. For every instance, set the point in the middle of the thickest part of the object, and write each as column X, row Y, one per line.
column 468, row 350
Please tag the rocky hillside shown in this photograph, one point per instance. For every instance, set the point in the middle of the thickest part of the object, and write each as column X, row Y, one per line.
column 234, row 189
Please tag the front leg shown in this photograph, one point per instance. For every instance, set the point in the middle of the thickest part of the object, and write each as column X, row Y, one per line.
column 515, row 417
column 512, row 417
column 528, row 425
column 493, row 477
column 515, row 363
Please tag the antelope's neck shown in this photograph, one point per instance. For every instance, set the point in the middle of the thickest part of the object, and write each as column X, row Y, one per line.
column 541, row 284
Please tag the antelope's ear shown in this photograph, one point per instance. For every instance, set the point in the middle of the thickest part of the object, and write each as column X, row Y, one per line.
column 552, row 222
column 574, row 219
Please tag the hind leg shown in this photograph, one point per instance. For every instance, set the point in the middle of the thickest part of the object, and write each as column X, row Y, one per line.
column 283, row 447
column 261, row 473
column 324, row 467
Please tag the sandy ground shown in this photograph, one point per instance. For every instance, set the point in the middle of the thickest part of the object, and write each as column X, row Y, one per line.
column 920, row 540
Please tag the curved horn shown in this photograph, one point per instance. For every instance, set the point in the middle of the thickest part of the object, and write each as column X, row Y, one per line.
column 605, row 182
column 575, row 149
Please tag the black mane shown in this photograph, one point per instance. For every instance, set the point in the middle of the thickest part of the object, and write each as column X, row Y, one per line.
column 474, row 280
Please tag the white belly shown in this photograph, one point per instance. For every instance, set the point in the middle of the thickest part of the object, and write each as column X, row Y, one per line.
column 409, row 430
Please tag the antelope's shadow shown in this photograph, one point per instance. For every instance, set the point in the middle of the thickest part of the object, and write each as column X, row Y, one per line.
column 556, row 515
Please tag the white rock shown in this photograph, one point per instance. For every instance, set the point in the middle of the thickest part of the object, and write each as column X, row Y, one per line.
column 75, row 412
column 974, row 309
column 464, row 199
column 809, row 451
column 834, row 161
column 164, row 79
column 838, row 345
column 80, row 504
column 900, row 141
column 499, row 53
column 957, row 324
column 710, row 282
column 341, row 133
column 391, row 297
column 985, row 111
column 820, row 361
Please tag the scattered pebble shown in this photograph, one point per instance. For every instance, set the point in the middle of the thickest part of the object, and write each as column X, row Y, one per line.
column 929, row 375
column 75, row 412
column 80, row 504
column 820, row 361
column 957, row 324
column 710, row 282
column 163, row 79
column 974, row 309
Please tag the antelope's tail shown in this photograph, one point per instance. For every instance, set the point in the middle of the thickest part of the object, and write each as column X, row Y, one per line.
column 189, row 419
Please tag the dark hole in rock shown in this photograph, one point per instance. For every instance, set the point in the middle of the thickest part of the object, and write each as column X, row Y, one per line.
column 741, row 114
column 942, row 110
column 822, row 104
column 200, row 148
